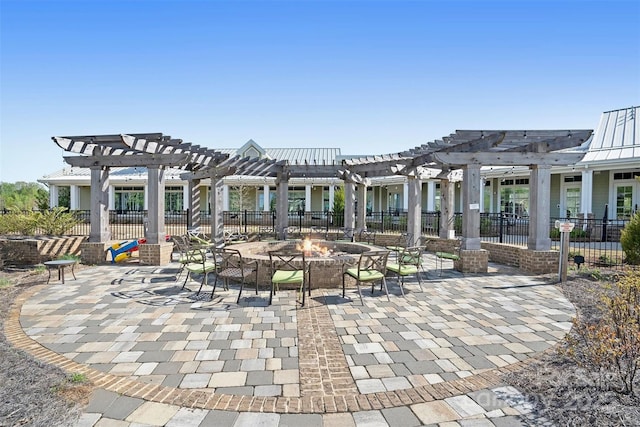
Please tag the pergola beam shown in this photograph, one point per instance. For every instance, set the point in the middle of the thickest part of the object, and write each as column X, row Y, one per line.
column 135, row 160
column 509, row 158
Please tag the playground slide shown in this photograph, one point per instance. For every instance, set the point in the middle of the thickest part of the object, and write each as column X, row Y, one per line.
column 123, row 250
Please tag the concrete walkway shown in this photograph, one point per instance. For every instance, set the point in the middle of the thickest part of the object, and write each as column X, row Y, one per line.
column 161, row 355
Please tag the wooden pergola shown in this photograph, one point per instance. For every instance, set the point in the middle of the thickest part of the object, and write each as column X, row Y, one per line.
column 457, row 157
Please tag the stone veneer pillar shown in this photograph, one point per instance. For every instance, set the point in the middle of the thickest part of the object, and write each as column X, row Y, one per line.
column 155, row 254
column 472, row 261
column 92, row 253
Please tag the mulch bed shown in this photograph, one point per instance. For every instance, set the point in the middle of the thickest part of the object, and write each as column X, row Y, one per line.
column 33, row 393
column 563, row 392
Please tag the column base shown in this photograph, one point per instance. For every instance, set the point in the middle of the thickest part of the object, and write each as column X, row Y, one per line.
column 155, row 253
column 472, row 261
column 92, row 253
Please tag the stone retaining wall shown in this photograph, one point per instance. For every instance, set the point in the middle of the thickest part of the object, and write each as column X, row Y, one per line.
column 23, row 251
column 502, row 253
column 534, row 262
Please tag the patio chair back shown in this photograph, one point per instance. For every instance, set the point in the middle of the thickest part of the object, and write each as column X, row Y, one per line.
column 346, row 235
column 371, row 267
column 231, row 266
column 368, row 236
column 199, row 263
column 408, row 263
column 287, row 267
column 187, row 254
column 403, row 241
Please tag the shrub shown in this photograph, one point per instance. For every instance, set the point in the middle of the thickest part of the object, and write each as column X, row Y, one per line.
column 578, row 232
column 56, row 221
column 630, row 240
column 457, row 224
column 610, row 347
column 605, row 260
column 17, row 222
column 485, row 227
column 69, row 256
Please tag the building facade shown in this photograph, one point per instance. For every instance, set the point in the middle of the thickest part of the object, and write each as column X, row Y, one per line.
column 603, row 184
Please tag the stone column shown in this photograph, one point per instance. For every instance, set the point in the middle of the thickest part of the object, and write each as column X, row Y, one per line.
column 586, row 193
column 471, row 197
column 74, row 197
column 349, row 205
column 112, row 198
column 265, row 197
column 186, row 194
column 217, row 209
column 156, row 250
column 195, row 204
column 361, row 218
column 307, row 198
column 414, row 211
column 539, row 215
column 405, row 196
column 225, row 197
column 282, row 204
column 100, row 230
column 447, row 194
column 332, row 193
column 156, row 232
column 53, row 196
column 431, row 196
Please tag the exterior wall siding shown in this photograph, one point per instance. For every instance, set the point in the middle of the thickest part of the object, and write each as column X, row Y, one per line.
column 556, row 195
column 85, row 198
column 600, row 193
column 316, row 198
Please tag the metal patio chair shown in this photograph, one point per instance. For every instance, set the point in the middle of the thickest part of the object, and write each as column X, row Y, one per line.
column 288, row 268
column 371, row 268
column 408, row 263
column 230, row 265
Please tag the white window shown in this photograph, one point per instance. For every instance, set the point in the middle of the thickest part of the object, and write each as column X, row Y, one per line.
column 514, row 197
column 570, row 204
column 129, row 198
column 626, row 194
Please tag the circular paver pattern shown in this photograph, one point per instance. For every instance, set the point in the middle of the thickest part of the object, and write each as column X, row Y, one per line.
column 132, row 330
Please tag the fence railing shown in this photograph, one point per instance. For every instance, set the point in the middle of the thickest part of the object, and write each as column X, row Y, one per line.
column 596, row 240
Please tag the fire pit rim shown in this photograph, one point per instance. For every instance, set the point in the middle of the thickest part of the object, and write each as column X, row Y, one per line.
column 249, row 249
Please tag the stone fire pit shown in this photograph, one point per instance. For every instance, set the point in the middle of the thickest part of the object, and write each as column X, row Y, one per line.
column 326, row 269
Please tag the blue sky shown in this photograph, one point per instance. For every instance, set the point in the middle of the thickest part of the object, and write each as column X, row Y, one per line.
column 369, row 77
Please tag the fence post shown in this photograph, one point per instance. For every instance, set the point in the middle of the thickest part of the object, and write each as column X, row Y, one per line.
column 382, row 221
column 501, row 225
column 604, row 223
column 245, row 221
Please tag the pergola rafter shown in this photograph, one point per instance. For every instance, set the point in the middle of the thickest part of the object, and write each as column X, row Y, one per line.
column 455, row 157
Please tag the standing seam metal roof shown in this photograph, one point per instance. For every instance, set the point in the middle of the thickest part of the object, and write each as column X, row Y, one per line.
column 617, row 137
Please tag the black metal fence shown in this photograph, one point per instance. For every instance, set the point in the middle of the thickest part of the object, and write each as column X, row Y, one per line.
column 597, row 241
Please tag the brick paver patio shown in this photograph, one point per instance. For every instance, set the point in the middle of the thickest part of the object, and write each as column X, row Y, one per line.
column 160, row 355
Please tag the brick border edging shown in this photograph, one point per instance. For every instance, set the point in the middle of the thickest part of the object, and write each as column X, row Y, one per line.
column 210, row 400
